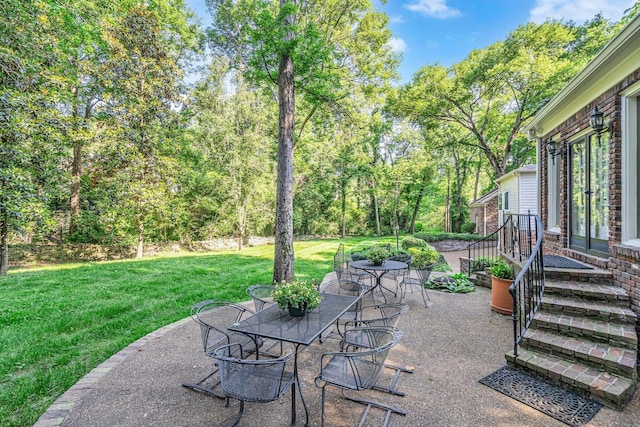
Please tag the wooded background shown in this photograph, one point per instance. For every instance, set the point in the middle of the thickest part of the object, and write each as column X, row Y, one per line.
column 124, row 121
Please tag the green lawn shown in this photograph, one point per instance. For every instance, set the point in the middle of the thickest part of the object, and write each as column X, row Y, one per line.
column 58, row 323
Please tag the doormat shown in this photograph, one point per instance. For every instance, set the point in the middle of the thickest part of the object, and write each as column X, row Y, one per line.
column 553, row 400
column 557, row 261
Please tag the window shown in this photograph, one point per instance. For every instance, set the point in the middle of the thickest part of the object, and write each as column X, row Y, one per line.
column 630, row 169
column 505, row 201
column 553, row 194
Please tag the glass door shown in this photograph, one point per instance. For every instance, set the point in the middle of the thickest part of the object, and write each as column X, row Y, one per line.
column 589, row 195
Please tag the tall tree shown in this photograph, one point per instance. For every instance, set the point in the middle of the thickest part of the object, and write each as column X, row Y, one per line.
column 267, row 39
column 143, row 83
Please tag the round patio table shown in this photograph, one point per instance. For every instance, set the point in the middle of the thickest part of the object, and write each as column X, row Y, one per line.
column 378, row 271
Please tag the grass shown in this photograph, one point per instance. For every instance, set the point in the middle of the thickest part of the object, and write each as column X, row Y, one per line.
column 58, row 322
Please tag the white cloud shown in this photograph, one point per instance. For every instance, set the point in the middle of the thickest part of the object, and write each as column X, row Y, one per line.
column 398, row 45
column 396, row 19
column 578, row 10
column 434, row 8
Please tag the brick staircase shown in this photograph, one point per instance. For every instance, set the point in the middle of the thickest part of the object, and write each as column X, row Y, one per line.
column 583, row 337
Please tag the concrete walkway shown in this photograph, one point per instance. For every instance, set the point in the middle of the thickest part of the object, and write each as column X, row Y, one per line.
column 451, row 344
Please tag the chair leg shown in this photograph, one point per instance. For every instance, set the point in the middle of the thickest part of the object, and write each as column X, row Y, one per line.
column 236, row 420
column 204, row 389
column 322, row 411
column 372, row 403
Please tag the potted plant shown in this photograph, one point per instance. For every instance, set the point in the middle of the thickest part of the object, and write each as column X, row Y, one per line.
column 297, row 297
column 502, row 275
column 377, row 255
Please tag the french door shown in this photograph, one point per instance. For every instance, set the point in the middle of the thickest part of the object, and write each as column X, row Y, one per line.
column 589, row 194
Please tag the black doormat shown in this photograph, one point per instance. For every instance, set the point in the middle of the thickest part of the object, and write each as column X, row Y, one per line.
column 557, row 261
column 553, row 400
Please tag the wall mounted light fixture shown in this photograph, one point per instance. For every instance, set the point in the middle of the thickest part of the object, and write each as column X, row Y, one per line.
column 554, row 149
column 596, row 120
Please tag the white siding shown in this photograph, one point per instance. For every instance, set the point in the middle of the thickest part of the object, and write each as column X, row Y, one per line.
column 511, row 185
column 528, row 201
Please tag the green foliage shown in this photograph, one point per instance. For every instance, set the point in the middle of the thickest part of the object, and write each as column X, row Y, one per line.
column 457, row 283
column 377, row 255
column 481, row 263
column 298, row 293
column 413, row 242
column 438, row 237
column 502, row 269
column 468, row 227
column 400, row 255
column 424, row 256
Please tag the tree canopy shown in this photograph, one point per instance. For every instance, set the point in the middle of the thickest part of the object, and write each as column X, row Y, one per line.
column 295, row 126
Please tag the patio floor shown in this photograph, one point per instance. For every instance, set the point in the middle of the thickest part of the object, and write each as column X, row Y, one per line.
column 451, row 344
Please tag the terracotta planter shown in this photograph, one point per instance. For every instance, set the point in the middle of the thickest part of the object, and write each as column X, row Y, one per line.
column 501, row 300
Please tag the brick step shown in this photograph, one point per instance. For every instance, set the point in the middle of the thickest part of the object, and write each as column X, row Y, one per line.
column 589, row 309
column 612, row 390
column 597, row 276
column 617, row 360
column 616, row 334
column 589, row 291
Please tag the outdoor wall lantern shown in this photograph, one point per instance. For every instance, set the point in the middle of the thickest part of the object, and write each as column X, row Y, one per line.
column 553, row 148
column 597, row 123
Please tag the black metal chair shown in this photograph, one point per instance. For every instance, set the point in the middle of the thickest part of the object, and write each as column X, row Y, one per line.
column 214, row 317
column 359, row 369
column 250, row 380
column 423, row 274
column 345, row 287
column 261, row 295
column 382, row 315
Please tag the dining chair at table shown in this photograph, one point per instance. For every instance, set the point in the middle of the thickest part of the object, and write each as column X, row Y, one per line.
column 253, row 380
column 359, row 369
column 345, row 286
column 384, row 315
column 214, row 317
column 423, row 274
column 261, row 295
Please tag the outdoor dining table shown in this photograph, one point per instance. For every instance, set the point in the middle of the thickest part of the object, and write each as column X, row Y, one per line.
column 377, row 271
column 278, row 324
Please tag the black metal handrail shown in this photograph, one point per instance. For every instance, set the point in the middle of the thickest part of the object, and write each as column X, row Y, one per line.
column 528, row 287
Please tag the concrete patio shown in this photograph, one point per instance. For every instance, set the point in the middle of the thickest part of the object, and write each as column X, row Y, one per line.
column 451, row 344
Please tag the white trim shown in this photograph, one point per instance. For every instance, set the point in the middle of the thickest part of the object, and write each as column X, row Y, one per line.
column 630, row 181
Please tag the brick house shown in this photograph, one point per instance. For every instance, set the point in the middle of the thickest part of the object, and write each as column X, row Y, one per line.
column 588, row 180
column 484, row 213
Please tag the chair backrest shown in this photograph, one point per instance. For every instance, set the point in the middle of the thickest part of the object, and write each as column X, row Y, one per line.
column 214, row 317
column 381, row 315
column 261, row 295
column 262, row 380
column 424, row 273
column 366, row 364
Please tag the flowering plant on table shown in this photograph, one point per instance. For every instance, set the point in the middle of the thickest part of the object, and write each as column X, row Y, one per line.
column 299, row 294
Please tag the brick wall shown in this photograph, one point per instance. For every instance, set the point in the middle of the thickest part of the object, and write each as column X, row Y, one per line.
column 623, row 261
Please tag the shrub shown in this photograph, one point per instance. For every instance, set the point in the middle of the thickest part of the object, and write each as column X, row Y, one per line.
column 418, row 227
column 400, row 255
column 412, row 242
column 468, row 227
column 456, row 283
column 481, row 263
column 423, row 256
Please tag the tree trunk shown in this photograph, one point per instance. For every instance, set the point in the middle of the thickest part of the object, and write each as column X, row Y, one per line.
column 4, row 241
column 343, row 196
column 140, row 249
column 416, row 207
column 283, row 257
column 74, row 199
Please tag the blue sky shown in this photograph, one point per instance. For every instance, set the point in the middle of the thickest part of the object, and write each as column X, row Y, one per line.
column 445, row 31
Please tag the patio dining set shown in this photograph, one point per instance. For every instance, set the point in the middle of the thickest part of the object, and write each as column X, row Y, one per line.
column 255, row 352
